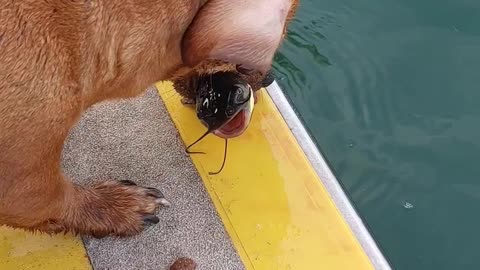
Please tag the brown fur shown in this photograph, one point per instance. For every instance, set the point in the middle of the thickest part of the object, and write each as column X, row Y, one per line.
column 58, row 57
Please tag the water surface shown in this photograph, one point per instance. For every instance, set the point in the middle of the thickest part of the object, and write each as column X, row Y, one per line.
column 389, row 89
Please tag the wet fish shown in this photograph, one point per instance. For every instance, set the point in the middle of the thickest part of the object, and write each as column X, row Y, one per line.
column 224, row 105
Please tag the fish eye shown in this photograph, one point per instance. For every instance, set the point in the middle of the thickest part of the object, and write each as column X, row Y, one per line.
column 242, row 94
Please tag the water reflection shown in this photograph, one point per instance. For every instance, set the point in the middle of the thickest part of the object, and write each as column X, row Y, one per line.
column 389, row 91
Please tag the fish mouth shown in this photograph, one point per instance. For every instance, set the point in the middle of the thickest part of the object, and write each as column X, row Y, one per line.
column 239, row 123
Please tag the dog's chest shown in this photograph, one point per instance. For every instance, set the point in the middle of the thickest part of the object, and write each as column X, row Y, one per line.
column 180, row 13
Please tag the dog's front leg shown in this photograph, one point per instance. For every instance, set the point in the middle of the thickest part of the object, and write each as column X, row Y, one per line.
column 50, row 203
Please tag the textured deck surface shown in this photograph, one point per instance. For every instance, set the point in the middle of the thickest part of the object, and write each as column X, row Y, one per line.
column 136, row 140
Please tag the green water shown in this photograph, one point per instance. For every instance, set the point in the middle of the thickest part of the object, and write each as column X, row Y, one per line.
column 389, row 89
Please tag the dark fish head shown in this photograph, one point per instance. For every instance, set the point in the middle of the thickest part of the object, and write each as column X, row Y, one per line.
column 224, row 103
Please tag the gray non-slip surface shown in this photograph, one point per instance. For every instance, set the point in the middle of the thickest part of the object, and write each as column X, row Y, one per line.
column 136, row 140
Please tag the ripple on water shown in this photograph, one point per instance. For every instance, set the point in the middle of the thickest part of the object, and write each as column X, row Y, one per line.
column 389, row 91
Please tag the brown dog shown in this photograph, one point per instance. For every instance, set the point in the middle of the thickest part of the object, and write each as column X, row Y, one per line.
column 59, row 57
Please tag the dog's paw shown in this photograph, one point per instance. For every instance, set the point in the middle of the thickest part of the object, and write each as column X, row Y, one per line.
column 120, row 209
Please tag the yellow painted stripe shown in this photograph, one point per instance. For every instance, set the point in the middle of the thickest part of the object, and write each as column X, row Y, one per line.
column 23, row 250
column 272, row 203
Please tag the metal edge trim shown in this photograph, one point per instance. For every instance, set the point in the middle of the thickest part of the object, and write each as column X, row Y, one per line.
column 327, row 177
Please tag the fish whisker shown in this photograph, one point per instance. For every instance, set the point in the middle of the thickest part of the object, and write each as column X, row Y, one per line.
column 224, row 159
column 198, row 140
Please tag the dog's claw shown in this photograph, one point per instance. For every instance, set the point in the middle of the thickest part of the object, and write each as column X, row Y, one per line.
column 160, row 198
column 128, row 183
column 151, row 219
column 154, row 193
column 163, row 202
column 150, row 191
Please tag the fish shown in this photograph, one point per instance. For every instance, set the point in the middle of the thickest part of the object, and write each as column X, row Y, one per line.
column 224, row 104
